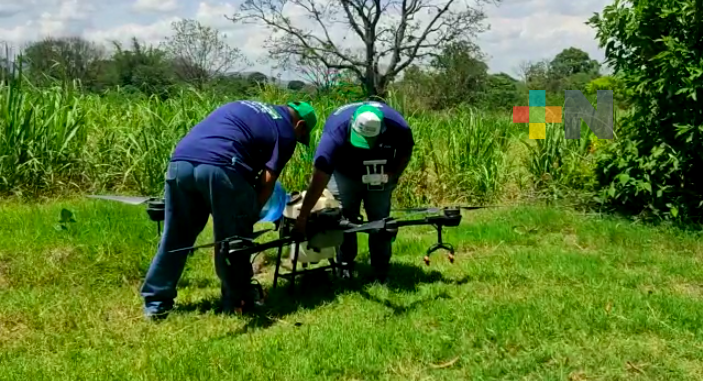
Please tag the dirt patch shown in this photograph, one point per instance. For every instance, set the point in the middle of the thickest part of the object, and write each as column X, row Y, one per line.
column 4, row 277
column 13, row 328
column 60, row 255
column 688, row 289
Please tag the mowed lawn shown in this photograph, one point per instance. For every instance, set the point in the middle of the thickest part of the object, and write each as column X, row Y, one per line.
column 535, row 293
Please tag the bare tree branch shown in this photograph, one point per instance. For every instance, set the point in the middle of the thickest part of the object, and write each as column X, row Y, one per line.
column 395, row 32
column 201, row 53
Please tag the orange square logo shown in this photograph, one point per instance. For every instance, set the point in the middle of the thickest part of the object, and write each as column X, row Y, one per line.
column 553, row 114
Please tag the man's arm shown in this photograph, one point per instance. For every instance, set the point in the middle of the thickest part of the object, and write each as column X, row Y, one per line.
column 268, row 181
column 317, row 186
column 323, row 166
column 403, row 158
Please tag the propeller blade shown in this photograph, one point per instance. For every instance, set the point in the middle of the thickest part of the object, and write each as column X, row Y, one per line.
column 478, row 207
column 373, row 225
column 124, row 199
column 422, row 210
column 233, row 238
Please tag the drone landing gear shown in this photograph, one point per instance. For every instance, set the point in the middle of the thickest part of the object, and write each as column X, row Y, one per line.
column 291, row 276
column 440, row 245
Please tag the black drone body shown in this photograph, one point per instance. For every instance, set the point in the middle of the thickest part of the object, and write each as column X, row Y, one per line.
column 330, row 219
column 326, row 228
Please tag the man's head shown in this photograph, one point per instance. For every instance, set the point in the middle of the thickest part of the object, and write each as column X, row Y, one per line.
column 366, row 125
column 304, row 121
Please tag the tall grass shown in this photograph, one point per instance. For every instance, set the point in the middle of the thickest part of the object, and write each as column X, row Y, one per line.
column 58, row 140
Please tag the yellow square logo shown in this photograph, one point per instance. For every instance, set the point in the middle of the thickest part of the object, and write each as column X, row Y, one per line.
column 538, row 131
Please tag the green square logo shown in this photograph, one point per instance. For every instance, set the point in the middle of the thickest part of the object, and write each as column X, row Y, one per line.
column 538, row 114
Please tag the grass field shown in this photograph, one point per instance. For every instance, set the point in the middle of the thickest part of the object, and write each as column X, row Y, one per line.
column 535, row 294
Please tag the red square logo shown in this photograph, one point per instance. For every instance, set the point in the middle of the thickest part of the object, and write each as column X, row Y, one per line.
column 521, row 114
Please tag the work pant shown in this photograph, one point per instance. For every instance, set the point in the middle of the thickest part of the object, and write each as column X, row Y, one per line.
column 377, row 204
column 192, row 193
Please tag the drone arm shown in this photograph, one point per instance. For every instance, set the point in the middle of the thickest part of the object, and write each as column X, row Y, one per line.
column 424, row 221
column 264, row 246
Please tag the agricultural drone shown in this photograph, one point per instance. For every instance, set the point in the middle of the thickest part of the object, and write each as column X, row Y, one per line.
column 326, row 228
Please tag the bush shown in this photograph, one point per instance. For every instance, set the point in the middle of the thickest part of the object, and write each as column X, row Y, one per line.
column 655, row 47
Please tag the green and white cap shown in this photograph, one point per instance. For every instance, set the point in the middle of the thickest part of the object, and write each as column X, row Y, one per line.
column 366, row 125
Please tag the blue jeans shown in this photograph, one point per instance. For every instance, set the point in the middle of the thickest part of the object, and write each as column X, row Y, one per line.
column 377, row 204
column 192, row 193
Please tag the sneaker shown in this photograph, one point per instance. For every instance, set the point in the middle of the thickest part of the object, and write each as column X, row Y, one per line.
column 253, row 298
column 155, row 314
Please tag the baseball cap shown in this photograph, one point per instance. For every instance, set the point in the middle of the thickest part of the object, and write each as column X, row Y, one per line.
column 307, row 114
column 366, row 125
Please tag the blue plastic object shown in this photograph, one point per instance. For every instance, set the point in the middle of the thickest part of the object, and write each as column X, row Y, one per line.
column 273, row 210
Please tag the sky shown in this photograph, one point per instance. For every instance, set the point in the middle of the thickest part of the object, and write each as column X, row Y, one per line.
column 520, row 30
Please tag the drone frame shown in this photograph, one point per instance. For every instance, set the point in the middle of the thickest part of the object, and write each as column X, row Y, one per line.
column 451, row 218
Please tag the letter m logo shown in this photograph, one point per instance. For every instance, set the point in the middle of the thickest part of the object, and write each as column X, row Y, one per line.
column 577, row 108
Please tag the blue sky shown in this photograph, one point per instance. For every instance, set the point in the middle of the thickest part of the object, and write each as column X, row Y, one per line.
column 519, row 29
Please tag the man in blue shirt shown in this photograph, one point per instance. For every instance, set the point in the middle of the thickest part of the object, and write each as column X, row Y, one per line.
column 227, row 166
column 364, row 149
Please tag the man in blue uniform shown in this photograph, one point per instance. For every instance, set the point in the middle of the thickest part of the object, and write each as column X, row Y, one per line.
column 364, row 149
column 227, row 166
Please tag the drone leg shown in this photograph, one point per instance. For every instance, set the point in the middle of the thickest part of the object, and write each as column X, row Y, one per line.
column 440, row 245
column 295, row 266
column 278, row 266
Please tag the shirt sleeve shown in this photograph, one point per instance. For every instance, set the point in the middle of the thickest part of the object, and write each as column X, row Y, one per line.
column 282, row 152
column 326, row 153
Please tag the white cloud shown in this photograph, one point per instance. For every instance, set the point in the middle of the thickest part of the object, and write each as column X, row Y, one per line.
column 155, row 5
column 149, row 34
column 519, row 29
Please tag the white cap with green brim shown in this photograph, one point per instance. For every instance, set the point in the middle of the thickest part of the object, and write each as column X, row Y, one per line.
column 366, row 125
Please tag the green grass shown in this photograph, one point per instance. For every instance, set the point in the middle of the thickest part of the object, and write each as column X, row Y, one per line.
column 535, row 294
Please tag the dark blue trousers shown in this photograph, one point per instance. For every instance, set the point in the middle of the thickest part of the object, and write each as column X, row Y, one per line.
column 377, row 204
column 192, row 193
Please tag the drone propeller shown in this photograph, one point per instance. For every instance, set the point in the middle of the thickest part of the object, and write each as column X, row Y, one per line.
column 256, row 235
column 131, row 200
column 437, row 209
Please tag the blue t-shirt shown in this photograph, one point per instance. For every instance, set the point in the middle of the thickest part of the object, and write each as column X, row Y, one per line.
column 335, row 152
column 254, row 134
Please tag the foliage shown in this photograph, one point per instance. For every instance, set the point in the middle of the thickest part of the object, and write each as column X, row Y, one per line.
column 200, row 52
column 655, row 47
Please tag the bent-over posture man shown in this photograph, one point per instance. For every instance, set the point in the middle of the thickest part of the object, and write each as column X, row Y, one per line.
column 364, row 149
column 227, row 166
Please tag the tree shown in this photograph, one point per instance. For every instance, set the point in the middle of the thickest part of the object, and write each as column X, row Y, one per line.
column 573, row 61
column 296, row 85
column 654, row 165
column 396, row 32
column 64, row 59
column 315, row 72
column 145, row 68
column 200, row 52
column 460, row 75
column 7, row 61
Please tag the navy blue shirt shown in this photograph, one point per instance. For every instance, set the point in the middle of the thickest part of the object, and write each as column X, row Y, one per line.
column 335, row 152
column 254, row 134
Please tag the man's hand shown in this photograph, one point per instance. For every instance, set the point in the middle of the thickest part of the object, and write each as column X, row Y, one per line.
column 301, row 224
column 317, row 185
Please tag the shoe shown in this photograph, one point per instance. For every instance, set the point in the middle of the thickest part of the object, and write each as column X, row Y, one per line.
column 253, row 298
column 345, row 270
column 344, row 273
column 155, row 314
column 380, row 274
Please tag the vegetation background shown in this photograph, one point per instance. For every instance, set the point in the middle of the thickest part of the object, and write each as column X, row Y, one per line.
column 76, row 116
